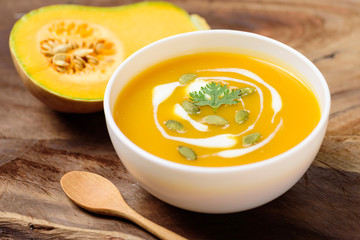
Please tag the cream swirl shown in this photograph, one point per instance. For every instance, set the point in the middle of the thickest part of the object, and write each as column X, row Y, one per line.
column 164, row 91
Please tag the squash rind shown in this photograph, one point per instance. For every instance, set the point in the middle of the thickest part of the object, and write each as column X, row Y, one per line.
column 55, row 101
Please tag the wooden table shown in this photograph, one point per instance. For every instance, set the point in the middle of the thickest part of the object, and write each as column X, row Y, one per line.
column 38, row 145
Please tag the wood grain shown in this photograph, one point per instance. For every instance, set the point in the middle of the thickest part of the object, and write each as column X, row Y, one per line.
column 19, row 226
column 37, row 145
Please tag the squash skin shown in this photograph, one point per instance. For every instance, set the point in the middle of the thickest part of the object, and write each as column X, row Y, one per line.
column 51, row 98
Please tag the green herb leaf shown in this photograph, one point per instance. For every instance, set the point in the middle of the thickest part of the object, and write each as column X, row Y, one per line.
column 215, row 95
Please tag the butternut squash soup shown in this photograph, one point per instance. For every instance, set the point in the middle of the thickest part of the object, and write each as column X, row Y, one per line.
column 216, row 109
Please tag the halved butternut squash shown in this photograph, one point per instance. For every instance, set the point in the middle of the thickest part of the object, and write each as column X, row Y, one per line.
column 65, row 54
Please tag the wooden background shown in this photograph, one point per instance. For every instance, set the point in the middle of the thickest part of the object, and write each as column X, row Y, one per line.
column 37, row 145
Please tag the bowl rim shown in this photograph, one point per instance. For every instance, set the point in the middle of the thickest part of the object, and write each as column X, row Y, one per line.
column 227, row 169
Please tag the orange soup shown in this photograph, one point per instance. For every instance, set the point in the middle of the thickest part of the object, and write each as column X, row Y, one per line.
column 216, row 109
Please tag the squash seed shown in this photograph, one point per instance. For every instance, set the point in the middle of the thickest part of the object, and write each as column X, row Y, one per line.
column 174, row 125
column 79, row 59
column 241, row 116
column 51, row 43
column 62, row 48
column 59, row 60
column 190, row 107
column 215, row 120
column 59, row 57
column 83, row 52
column 61, row 69
column 186, row 78
column 46, row 46
column 247, row 91
column 79, row 49
column 92, row 59
column 47, row 53
column 73, row 44
column 78, row 62
column 187, row 153
column 61, row 63
column 79, row 66
column 251, row 139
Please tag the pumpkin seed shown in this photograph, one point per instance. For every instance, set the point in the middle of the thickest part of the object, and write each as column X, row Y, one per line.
column 186, row 78
column 47, row 53
column 251, row 139
column 190, row 107
column 247, row 90
column 73, row 45
column 241, row 116
column 60, row 56
column 51, row 43
column 83, row 52
column 215, row 120
column 61, row 63
column 61, row 69
column 187, row 153
column 79, row 59
column 59, row 60
column 78, row 62
column 92, row 59
column 174, row 125
column 79, row 66
column 46, row 46
column 62, row 48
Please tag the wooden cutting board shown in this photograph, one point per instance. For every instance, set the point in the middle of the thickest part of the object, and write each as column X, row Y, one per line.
column 38, row 145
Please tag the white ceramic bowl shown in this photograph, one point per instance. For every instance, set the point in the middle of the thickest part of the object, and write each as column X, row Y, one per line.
column 217, row 189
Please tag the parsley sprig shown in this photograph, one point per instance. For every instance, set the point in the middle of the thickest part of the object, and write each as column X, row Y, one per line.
column 215, row 95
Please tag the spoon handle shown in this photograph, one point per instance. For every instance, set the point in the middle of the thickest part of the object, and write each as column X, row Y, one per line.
column 148, row 225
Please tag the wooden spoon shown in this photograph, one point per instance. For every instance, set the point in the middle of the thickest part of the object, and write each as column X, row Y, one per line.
column 97, row 194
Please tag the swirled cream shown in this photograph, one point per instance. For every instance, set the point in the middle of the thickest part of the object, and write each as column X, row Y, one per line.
column 164, row 91
column 179, row 111
column 160, row 94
